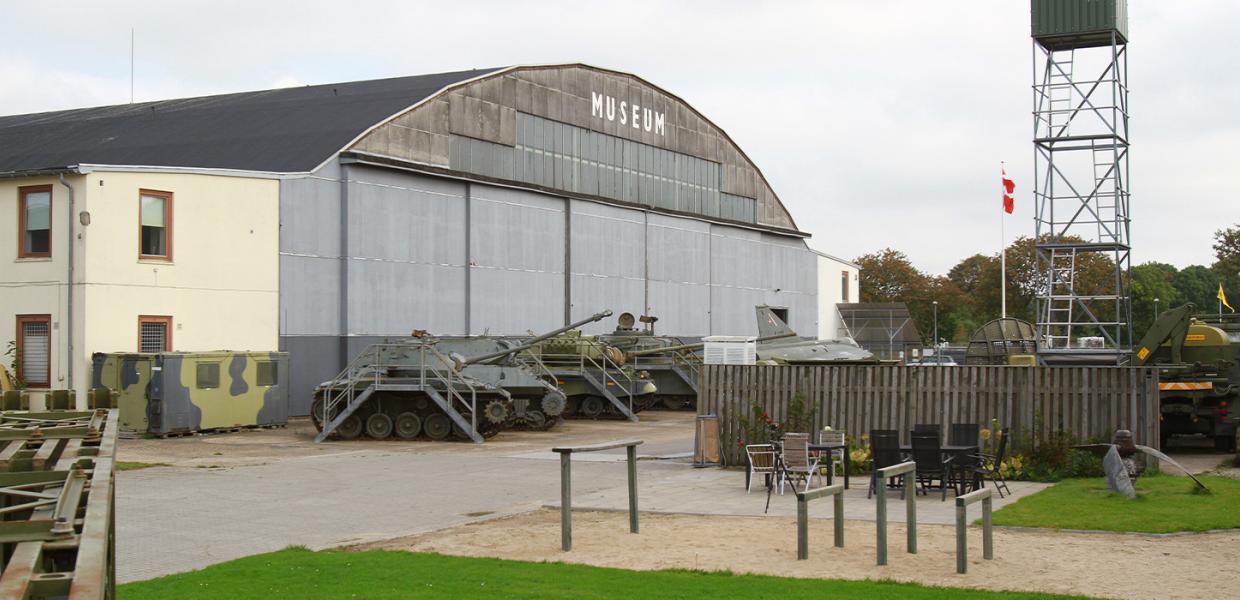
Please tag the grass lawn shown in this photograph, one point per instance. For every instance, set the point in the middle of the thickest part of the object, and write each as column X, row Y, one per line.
column 379, row 574
column 122, row 465
column 1164, row 504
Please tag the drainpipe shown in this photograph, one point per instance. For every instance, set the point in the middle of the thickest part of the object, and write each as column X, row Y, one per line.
column 69, row 286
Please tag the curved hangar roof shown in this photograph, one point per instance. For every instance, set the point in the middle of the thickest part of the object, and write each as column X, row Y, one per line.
column 570, row 128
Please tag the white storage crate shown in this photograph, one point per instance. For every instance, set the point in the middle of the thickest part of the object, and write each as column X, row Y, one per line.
column 730, row 350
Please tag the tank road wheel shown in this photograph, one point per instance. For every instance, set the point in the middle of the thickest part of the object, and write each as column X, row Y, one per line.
column 553, row 403
column 495, row 411
column 421, row 403
column 437, row 426
column 379, row 426
column 350, row 428
column 592, row 406
column 535, row 420
column 675, row 402
column 408, row 425
column 316, row 412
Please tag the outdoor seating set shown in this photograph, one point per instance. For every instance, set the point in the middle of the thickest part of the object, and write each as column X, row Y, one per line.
column 959, row 464
column 794, row 458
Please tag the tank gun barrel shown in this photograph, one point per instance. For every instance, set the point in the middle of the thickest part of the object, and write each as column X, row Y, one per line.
column 462, row 361
column 698, row 345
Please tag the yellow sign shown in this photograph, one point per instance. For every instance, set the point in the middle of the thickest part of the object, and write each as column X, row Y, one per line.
column 1143, row 352
column 1195, row 337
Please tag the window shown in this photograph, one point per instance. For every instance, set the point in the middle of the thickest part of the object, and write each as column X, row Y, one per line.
column 154, row 334
column 155, row 225
column 208, row 376
column 34, row 221
column 34, row 349
column 782, row 313
column 844, row 286
column 267, row 373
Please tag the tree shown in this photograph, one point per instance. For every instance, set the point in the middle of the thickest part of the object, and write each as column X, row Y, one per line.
column 1149, row 281
column 889, row 276
column 1227, row 265
column 1198, row 285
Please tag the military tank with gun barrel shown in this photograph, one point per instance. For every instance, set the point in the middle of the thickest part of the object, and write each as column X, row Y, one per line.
column 441, row 388
column 593, row 376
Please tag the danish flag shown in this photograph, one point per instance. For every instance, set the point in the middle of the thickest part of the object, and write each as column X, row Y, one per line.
column 1009, row 186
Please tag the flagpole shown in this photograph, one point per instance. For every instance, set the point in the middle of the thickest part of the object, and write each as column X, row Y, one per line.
column 1002, row 257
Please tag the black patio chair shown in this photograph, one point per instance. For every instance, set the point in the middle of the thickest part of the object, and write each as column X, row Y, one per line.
column 925, row 428
column 990, row 466
column 931, row 464
column 885, row 451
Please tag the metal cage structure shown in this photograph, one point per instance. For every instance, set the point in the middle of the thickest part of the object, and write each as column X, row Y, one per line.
column 1081, row 184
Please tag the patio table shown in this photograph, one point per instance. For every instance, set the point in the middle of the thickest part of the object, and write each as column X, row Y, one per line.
column 828, row 448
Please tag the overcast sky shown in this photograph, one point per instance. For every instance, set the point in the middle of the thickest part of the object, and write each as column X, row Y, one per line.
column 878, row 123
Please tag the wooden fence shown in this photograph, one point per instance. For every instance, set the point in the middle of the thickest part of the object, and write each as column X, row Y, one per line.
column 1082, row 401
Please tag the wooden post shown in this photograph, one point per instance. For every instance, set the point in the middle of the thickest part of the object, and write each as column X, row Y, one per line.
column 839, row 520
column 962, row 542
column 988, row 536
column 880, row 497
column 566, row 501
column 910, row 509
column 632, row 454
column 802, row 527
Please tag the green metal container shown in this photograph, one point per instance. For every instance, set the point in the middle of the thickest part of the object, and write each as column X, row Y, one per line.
column 1063, row 24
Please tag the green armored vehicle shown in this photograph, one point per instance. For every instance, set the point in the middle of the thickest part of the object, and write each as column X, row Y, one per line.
column 672, row 363
column 593, row 376
column 180, row 392
column 469, row 388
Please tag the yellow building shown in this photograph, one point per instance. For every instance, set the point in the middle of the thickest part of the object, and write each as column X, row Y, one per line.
column 152, row 261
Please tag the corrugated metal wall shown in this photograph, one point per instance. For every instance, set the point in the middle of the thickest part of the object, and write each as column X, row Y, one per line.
column 410, row 238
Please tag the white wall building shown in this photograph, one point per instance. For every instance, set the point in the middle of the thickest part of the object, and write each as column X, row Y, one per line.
column 838, row 283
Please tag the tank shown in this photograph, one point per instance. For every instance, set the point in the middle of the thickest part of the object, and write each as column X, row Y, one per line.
column 440, row 389
column 593, row 376
column 671, row 363
column 171, row 393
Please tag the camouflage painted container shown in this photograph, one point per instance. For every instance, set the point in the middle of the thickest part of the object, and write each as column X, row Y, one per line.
column 177, row 392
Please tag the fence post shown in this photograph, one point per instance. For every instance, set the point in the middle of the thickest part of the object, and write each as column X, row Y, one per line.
column 910, row 509
column 988, row 534
column 880, row 497
column 839, row 520
column 962, row 542
column 802, row 527
column 632, row 455
column 566, row 501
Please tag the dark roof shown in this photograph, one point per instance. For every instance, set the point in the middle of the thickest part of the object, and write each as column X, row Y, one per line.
column 283, row 130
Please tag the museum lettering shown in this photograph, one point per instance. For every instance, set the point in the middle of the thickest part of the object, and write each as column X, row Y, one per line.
column 630, row 114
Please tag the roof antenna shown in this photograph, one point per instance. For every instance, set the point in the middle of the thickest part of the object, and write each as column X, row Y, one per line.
column 131, row 65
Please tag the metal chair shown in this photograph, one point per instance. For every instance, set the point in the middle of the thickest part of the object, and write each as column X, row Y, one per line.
column 991, row 467
column 761, row 461
column 885, row 451
column 797, row 463
column 926, row 427
column 837, row 456
column 931, row 464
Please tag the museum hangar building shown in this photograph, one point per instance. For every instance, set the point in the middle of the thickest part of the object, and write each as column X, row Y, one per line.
column 322, row 218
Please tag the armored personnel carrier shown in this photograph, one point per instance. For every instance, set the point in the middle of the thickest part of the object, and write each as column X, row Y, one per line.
column 440, row 389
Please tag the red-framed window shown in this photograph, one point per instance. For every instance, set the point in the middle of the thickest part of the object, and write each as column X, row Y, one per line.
column 34, row 221
column 154, row 225
column 154, row 333
column 34, row 350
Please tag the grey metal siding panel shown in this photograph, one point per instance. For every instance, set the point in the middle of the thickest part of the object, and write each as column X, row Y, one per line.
column 608, row 254
column 407, row 253
column 517, row 261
